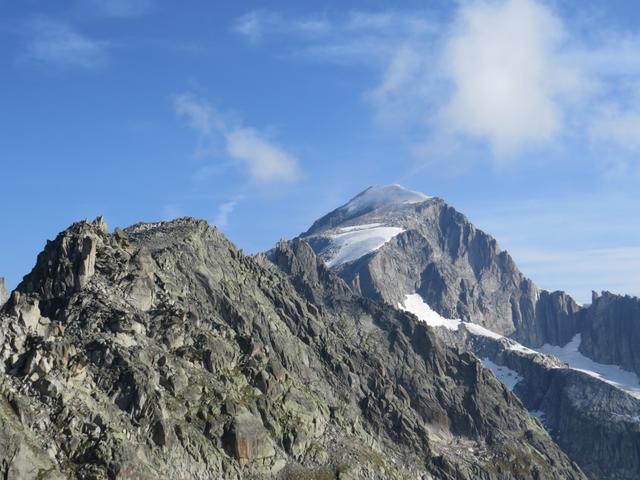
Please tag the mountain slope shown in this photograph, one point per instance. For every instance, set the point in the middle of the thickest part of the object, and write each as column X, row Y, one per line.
column 454, row 277
column 163, row 352
column 435, row 251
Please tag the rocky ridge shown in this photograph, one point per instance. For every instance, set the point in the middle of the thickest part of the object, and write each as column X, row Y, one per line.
column 161, row 351
column 461, row 273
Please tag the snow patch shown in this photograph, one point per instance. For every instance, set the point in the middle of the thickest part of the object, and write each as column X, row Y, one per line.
column 518, row 347
column 356, row 243
column 611, row 374
column 539, row 414
column 364, row 226
column 614, row 375
column 569, row 354
column 375, row 197
column 508, row 377
column 480, row 330
column 414, row 303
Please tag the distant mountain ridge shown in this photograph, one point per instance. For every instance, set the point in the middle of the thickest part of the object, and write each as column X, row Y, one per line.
column 432, row 249
column 416, row 252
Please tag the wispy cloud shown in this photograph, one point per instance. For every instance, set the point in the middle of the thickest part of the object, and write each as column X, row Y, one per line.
column 512, row 75
column 257, row 24
column 224, row 210
column 264, row 161
column 618, row 126
column 54, row 42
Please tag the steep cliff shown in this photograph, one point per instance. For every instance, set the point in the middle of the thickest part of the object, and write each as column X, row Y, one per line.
column 610, row 330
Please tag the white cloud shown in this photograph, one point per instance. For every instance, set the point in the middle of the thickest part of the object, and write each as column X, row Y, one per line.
column 258, row 23
column 250, row 25
column 513, row 75
column 57, row 43
column 507, row 74
column 198, row 113
column 224, row 210
column 264, row 161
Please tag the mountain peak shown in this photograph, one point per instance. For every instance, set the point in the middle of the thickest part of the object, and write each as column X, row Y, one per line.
column 380, row 195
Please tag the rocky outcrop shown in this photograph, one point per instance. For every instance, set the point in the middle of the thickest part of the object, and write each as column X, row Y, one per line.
column 21, row 455
column 162, row 351
column 610, row 330
column 458, row 269
column 4, row 296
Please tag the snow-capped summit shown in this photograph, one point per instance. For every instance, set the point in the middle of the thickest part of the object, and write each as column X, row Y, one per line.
column 377, row 196
column 362, row 225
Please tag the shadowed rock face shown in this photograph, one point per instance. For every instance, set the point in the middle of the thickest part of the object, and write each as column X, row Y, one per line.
column 594, row 422
column 610, row 331
column 163, row 352
column 459, row 270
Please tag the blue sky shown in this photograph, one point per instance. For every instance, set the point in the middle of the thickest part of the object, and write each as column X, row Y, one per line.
column 523, row 114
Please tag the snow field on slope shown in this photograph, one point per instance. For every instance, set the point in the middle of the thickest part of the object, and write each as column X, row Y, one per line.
column 612, row 374
column 508, row 377
column 414, row 303
column 358, row 242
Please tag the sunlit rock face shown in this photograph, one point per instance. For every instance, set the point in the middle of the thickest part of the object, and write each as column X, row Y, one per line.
column 161, row 351
column 3, row 292
column 388, row 242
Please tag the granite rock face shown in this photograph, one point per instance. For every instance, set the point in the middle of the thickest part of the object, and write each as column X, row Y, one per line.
column 610, row 330
column 4, row 296
column 595, row 423
column 162, row 351
column 458, row 269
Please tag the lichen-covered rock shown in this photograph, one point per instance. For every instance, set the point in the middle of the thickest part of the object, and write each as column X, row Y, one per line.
column 161, row 351
column 251, row 441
